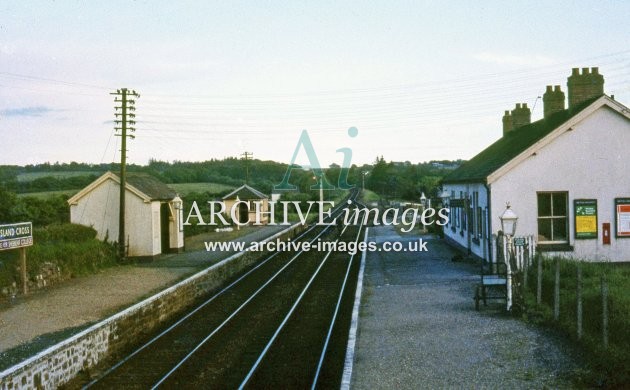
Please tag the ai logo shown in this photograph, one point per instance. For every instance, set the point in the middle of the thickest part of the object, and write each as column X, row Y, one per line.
column 322, row 182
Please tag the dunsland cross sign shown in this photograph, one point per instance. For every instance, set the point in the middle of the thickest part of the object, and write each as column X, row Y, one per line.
column 17, row 235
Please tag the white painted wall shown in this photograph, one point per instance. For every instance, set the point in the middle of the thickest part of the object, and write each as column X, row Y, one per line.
column 99, row 209
column 264, row 218
column 590, row 162
column 478, row 244
column 175, row 222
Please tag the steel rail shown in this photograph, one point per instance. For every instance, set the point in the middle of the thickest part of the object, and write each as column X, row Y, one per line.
column 288, row 315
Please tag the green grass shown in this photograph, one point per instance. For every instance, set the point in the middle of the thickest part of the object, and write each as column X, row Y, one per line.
column 213, row 188
column 609, row 366
column 48, row 194
column 370, row 196
column 72, row 248
column 30, row 176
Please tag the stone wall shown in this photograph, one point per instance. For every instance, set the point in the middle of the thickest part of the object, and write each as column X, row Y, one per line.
column 47, row 275
column 60, row 363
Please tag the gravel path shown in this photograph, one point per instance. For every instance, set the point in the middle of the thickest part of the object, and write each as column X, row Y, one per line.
column 50, row 315
column 418, row 329
column 81, row 301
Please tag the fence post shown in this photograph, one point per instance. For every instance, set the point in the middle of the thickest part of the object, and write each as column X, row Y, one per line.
column 23, row 270
column 578, row 294
column 539, row 281
column 556, row 292
column 604, row 312
column 525, row 268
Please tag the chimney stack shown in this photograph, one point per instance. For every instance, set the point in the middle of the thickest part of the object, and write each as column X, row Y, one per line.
column 553, row 100
column 507, row 122
column 519, row 117
column 585, row 86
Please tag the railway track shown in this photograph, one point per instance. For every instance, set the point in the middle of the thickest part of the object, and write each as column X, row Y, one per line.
column 283, row 323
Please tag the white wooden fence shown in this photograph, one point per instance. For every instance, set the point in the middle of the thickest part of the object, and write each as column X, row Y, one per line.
column 524, row 250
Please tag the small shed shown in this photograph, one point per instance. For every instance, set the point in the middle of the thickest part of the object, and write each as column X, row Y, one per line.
column 153, row 213
column 247, row 198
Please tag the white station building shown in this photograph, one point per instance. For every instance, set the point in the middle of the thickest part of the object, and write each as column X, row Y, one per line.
column 153, row 213
column 566, row 177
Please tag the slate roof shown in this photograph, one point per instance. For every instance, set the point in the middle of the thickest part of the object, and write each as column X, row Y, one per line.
column 245, row 192
column 150, row 186
column 510, row 146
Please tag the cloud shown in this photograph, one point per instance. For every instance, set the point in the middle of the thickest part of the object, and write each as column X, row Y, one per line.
column 26, row 111
column 510, row 59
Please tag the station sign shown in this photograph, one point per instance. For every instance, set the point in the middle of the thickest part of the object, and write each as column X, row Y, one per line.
column 16, row 235
column 519, row 241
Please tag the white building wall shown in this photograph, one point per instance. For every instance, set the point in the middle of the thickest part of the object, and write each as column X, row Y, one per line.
column 477, row 240
column 176, row 228
column 590, row 162
column 99, row 209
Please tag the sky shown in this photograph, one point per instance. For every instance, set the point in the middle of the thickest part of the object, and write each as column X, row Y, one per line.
column 419, row 80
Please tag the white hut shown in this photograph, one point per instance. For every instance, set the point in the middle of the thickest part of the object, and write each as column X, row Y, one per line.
column 153, row 213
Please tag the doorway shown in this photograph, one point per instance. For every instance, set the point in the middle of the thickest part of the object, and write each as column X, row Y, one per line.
column 243, row 213
column 165, row 212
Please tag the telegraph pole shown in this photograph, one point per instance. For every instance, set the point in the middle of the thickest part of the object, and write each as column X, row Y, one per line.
column 125, row 121
column 247, row 156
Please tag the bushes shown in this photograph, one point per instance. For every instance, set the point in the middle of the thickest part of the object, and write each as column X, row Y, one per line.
column 73, row 258
column 74, row 249
column 65, row 232
column 41, row 212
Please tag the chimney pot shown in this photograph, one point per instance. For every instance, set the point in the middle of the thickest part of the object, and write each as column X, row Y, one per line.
column 507, row 122
column 549, row 88
column 553, row 101
column 524, row 105
column 575, row 72
column 586, row 86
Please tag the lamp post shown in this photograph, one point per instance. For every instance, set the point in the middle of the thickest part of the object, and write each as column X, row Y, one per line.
column 508, row 225
column 363, row 174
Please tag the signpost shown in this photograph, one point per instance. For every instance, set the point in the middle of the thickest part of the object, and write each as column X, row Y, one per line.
column 18, row 236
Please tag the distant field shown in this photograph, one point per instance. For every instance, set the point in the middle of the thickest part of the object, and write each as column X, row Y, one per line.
column 181, row 188
column 213, row 188
column 30, row 176
column 48, row 194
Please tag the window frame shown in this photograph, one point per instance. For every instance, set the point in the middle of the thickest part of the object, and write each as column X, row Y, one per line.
column 553, row 217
